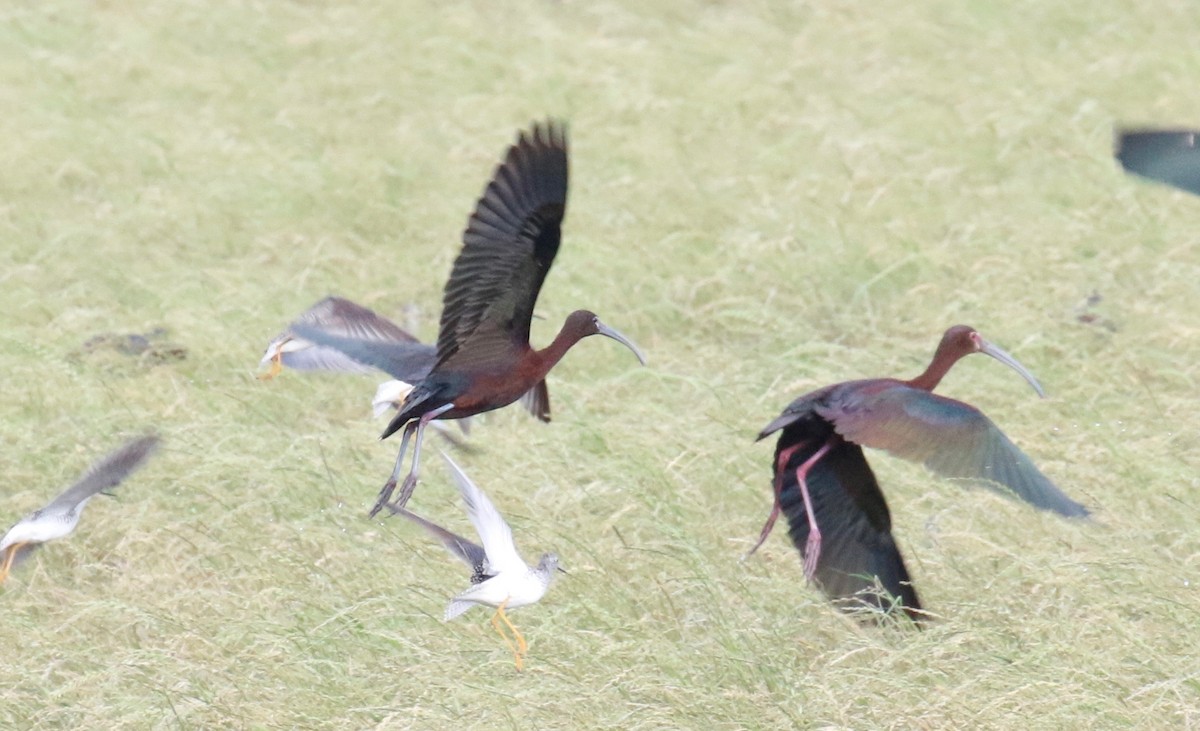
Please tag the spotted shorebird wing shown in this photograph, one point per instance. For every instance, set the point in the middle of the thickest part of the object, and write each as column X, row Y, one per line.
column 469, row 553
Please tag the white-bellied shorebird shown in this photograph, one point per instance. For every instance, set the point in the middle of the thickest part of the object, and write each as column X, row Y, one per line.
column 60, row 516
column 500, row 578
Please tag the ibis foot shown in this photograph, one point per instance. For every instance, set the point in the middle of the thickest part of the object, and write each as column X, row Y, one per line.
column 384, row 496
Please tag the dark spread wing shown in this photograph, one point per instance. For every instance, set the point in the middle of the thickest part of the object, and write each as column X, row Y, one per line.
column 408, row 361
column 951, row 438
column 1167, row 156
column 469, row 553
column 858, row 555
column 508, row 247
column 106, row 473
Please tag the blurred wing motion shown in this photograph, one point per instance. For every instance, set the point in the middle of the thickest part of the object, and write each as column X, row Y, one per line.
column 1167, row 156
column 340, row 336
column 494, row 532
column 106, row 473
column 469, row 553
column 60, row 516
column 510, row 243
column 950, row 437
column 858, row 555
column 302, row 355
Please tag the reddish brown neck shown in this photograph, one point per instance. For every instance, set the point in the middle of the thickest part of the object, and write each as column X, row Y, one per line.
column 549, row 356
column 940, row 365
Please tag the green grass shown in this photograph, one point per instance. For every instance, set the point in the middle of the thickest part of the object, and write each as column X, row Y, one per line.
column 768, row 197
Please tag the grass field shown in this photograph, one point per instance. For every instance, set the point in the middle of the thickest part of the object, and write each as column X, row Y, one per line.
column 767, row 197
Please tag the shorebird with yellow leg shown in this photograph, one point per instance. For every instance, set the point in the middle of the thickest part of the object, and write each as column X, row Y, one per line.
column 61, row 515
column 500, row 578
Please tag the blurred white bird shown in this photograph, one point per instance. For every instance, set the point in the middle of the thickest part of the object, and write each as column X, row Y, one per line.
column 61, row 515
column 356, row 340
column 370, row 342
column 500, row 578
column 388, row 396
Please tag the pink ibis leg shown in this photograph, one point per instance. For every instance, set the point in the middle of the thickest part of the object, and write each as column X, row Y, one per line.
column 780, row 465
column 812, row 547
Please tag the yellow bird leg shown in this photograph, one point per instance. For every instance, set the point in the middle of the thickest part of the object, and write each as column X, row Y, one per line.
column 8, row 560
column 275, row 369
column 496, row 617
column 516, row 634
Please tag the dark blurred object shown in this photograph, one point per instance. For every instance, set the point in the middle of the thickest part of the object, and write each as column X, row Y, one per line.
column 1167, row 155
column 1086, row 313
column 151, row 348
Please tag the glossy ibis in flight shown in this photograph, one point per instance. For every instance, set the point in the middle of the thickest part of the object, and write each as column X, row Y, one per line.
column 354, row 339
column 838, row 517
column 500, row 578
column 60, row 516
column 1169, row 156
column 484, row 359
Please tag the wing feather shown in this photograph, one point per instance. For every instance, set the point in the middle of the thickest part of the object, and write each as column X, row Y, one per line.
column 493, row 531
column 509, row 244
column 107, row 472
column 1167, row 156
column 858, row 553
column 343, row 333
column 950, row 437
column 341, row 316
column 406, row 361
column 469, row 553
column 308, row 356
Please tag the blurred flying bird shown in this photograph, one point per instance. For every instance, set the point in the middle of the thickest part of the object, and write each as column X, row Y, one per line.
column 60, row 516
column 1168, row 156
column 500, row 578
column 838, row 517
column 357, row 340
column 484, row 360
column 368, row 341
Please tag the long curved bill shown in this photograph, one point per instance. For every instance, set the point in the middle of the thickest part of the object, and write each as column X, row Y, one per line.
column 607, row 331
column 999, row 354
